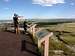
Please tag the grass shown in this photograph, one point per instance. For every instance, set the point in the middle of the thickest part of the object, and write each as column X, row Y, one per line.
column 69, row 37
column 58, row 46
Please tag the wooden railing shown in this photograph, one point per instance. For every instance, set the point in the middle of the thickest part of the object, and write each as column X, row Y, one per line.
column 44, row 40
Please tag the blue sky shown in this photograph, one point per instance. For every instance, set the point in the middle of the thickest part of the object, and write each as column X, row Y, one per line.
column 37, row 8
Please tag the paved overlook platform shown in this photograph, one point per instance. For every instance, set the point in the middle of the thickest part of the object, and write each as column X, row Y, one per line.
column 17, row 45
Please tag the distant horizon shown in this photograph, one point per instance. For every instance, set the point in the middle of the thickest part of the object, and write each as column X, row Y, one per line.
column 40, row 18
column 42, row 21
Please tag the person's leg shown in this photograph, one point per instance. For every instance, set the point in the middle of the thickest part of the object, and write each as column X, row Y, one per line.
column 14, row 28
column 25, row 30
column 17, row 30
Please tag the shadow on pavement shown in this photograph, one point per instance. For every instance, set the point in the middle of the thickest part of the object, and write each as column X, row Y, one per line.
column 24, row 47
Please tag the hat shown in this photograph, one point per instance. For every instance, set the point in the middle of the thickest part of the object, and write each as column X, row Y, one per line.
column 15, row 15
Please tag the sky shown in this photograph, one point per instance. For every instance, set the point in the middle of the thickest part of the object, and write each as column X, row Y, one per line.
column 37, row 8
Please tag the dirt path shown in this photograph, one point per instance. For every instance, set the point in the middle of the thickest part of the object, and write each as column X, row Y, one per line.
column 13, row 45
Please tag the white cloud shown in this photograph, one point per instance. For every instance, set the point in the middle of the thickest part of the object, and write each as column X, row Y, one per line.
column 6, row 0
column 47, row 2
column 6, row 8
column 72, row 4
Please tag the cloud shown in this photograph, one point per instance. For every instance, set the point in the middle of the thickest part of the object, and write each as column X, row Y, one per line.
column 72, row 4
column 6, row 8
column 6, row 0
column 47, row 2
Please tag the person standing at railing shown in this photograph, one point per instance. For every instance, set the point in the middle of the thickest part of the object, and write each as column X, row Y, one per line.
column 25, row 26
column 16, row 24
